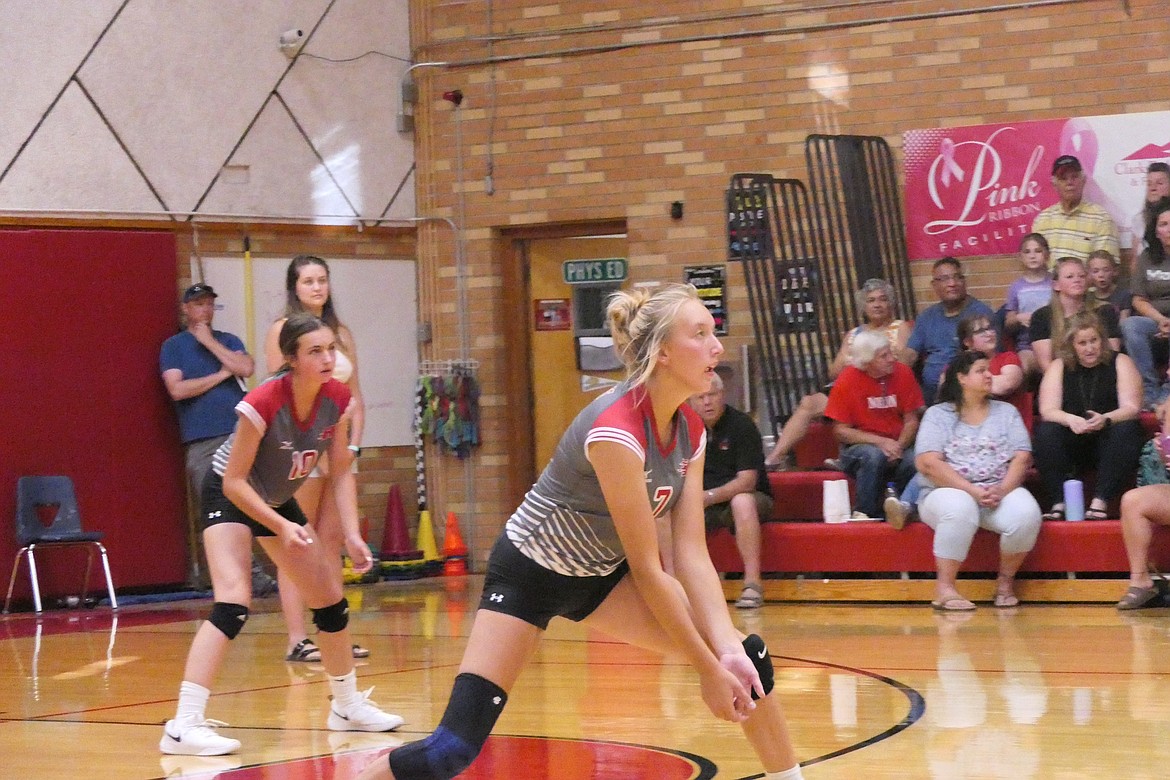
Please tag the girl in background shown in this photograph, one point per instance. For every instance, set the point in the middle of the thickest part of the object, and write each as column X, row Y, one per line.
column 307, row 288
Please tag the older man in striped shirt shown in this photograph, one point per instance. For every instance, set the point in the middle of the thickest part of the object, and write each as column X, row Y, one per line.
column 1074, row 227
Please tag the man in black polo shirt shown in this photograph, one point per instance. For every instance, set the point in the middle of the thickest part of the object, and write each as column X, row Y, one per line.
column 736, row 492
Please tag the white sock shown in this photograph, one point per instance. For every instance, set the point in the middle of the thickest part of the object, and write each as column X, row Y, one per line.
column 344, row 690
column 787, row 774
column 192, row 704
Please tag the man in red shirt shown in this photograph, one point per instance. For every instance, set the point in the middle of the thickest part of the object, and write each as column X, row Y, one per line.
column 875, row 405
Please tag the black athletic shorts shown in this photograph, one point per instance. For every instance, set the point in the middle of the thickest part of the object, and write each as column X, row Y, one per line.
column 518, row 586
column 217, row 508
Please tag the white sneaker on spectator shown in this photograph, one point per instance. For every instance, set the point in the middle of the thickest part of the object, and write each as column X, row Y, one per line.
column 198, row 739
column 363, row 716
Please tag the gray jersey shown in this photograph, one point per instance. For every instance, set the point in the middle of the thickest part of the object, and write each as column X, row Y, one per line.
column 563, row 523
column 289, row 448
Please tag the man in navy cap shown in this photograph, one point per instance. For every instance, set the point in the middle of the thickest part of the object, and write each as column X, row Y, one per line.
column 203, row 370
column 1073, row 226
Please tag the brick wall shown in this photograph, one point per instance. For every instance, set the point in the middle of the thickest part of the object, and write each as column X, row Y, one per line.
column 625, row 114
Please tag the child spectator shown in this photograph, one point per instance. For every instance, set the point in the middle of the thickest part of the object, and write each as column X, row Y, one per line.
column 1103, row 275
column 1027, row 294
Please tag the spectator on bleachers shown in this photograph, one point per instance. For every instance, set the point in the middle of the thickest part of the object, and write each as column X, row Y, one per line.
column 876, row 301
column 1070, row 294
column 736, row 491
column 1090, row 397
column 1074, row 226
column 1150, row 323
column 1103, row 272
column 1031, row 291
column 875, row 406
column 1007, row 384
column 1142, row 509
column 1157, row 187
column 1007, row 374
column 935, row 335
column 972, row 455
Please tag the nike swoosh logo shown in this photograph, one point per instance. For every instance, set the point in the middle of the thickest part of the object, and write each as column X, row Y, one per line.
column 762, row 653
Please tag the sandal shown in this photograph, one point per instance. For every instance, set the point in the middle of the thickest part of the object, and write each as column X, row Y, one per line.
column 360, row 652
column 1141, row 598
column 952, row 604
column 1054, row 514
column 1004, row 600
column 752, row 597
column 304, row 651
column 1096, row 514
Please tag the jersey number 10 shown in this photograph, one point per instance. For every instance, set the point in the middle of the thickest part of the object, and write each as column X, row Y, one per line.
column 303, row 463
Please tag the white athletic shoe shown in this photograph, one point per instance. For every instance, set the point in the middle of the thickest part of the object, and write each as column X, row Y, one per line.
column 197, row 740
column 363, row 716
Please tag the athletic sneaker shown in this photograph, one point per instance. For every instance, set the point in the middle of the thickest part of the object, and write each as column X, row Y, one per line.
column 363, row 716
column 197, row 740
column 897, row 512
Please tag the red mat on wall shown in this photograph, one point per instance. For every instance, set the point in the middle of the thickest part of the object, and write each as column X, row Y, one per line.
column 85, row 313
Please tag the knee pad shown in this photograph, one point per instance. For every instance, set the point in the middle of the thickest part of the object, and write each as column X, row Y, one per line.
column 333, row 618
column 758, row 651
column 228, row 618
column 471, row 715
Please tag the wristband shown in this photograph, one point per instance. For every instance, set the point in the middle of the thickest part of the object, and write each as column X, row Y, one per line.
column 356, row 450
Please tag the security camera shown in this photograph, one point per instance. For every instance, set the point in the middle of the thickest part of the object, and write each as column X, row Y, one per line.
column 291, row 42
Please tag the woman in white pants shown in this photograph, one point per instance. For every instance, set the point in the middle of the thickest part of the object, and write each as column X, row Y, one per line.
column 972, row 453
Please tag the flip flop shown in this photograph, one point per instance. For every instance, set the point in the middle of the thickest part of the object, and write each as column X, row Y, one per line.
column 752, row 597
column 1140, row 598
column 1096, row 514
column 952, row 604
column 1003, row 600
column 1053, row 514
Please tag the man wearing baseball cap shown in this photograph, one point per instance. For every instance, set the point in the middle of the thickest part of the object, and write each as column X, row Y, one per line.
column 203, row 371
column 1073, row 226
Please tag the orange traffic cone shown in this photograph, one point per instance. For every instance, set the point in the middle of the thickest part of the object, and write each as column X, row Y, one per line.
column 454, row 548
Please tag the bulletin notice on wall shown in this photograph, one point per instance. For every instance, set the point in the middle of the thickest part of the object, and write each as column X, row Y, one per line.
column 710, row 281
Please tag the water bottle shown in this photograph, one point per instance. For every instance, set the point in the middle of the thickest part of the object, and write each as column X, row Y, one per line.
column 1074, row 500
column 891, row 491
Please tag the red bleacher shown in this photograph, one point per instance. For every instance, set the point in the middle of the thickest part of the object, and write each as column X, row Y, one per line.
column 797, row 542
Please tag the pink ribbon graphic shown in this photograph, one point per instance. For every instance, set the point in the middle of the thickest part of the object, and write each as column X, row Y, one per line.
column 946, row 149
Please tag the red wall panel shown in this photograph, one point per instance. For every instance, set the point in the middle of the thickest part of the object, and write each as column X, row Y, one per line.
column 85, row 312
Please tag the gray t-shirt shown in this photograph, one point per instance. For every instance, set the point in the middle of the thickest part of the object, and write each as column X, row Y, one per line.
column 1152, row 282
column 980, row 453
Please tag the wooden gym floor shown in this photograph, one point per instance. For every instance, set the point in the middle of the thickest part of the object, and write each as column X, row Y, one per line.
column 872, row 691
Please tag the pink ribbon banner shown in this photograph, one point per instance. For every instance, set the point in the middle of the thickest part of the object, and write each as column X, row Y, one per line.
column 975, row 190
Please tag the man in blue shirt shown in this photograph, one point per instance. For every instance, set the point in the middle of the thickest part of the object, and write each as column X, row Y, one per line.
column 203, row 370
column 935, row 335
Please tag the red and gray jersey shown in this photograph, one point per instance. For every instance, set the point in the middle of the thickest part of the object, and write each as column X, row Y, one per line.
column 563, row 523
column 289, row 448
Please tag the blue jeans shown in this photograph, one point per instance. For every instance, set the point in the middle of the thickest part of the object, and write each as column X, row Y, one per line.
column 1138, row 333
column 870, row 470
